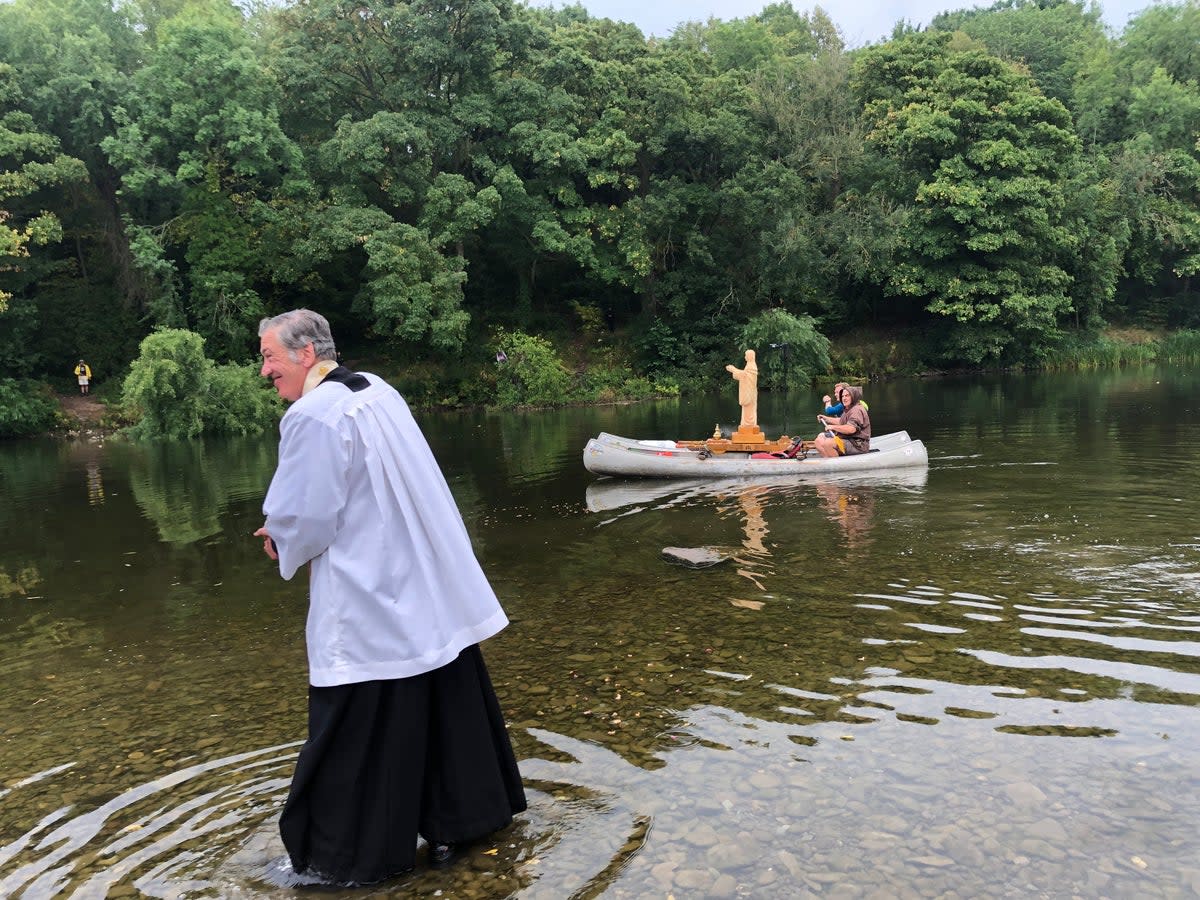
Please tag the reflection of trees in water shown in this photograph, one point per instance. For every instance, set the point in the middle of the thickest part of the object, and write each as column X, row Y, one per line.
column 31, row 468
column 20, row 582
column 183, row 487
column 535, row 442
column 49, row 631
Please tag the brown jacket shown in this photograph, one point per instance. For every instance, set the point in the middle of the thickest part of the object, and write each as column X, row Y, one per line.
column 856, row 415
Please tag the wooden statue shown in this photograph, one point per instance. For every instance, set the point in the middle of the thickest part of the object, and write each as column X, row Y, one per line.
column 748, row 438
column 747, row 379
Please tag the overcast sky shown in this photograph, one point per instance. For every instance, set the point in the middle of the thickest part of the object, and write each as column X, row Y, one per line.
column 861, row 21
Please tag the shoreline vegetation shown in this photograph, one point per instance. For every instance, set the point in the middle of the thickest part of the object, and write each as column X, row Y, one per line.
column 858, row 357
column 499, row 204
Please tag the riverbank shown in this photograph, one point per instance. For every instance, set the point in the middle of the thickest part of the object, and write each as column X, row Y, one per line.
column 82, row 417
column 84, row 409
column 864, row 355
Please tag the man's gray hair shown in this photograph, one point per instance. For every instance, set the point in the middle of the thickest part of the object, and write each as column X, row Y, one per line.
column 300, row 327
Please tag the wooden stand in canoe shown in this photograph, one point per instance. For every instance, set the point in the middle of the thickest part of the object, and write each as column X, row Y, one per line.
column 744, row 440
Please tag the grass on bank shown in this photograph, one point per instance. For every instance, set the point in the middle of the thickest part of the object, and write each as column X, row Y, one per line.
column 866, row 354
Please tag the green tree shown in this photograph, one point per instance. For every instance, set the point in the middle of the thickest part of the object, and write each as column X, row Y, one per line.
column 1053, row 38
column 529, row 372
column 1164, row 35
column 1159, row 197
column 570, row 135
column 1102, row 237
column 74, row 60
column 825, row 245
column 30, row 162
column 1138, row 102
column 208, row 175
column 165, row 385
column 1166, row 110
column 26, row 408
column 397, row 100
column 982, row 157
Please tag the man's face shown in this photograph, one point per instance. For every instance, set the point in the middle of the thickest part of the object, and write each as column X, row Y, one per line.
column 286, row 373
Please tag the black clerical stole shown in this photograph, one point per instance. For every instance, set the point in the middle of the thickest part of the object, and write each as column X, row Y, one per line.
column 352, row 380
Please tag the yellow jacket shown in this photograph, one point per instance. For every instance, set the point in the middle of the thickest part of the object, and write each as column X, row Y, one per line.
column 84, row 370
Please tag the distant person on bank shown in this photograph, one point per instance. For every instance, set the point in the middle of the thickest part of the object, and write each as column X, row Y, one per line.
column 850, row 433
column 83, row 374
column 405, row 733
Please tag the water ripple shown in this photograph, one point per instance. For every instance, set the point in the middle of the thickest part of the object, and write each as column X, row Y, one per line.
column 1141, row 645
column 1125, row 672
column 64, row 849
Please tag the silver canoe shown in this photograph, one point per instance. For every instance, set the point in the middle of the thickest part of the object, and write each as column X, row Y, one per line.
column 613, row 494
column 608, row 454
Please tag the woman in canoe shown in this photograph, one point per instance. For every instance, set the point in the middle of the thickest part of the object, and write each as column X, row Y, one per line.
column 850, row 433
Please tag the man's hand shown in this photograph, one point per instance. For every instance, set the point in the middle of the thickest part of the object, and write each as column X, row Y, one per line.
column 268, row 544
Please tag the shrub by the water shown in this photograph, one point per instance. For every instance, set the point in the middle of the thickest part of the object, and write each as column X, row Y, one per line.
column 239, row 400
column 788, row 349
column 165, row 385
column 609, row 383
column 26, row 407
column 178, row 392
column 531, row 374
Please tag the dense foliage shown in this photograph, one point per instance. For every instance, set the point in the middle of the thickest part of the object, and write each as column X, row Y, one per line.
column 25, row 408
column 623, row 211
column 175, row 391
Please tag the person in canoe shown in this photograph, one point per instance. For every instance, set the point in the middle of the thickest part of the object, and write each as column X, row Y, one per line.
column 850, row 433
column 835, row 407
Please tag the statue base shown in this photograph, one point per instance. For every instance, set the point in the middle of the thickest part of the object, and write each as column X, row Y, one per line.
column 751, row 434
column 744, row 440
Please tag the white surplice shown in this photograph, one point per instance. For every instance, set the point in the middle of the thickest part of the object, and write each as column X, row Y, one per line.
column 395, row 588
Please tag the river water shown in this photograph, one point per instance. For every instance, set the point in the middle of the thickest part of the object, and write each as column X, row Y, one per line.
column 979, row 680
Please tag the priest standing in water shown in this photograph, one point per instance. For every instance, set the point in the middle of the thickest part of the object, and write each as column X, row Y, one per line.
column 405, row 734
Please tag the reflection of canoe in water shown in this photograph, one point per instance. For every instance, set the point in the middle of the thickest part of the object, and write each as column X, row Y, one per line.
column 608, row 494
column 612, row 455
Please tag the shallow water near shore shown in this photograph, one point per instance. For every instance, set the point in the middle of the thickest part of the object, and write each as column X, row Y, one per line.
column 976, row 680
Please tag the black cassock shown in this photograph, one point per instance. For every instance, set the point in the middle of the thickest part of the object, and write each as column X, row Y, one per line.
column 388, row 760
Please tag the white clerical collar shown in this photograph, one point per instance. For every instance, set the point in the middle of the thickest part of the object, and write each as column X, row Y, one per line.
column 317, row 374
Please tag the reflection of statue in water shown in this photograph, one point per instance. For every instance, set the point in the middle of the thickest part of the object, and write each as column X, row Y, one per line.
column 755, row 563
column 853, row 510
column 750, row 499
column 747, row 380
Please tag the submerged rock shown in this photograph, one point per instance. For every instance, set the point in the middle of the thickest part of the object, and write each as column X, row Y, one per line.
column 694, row 557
